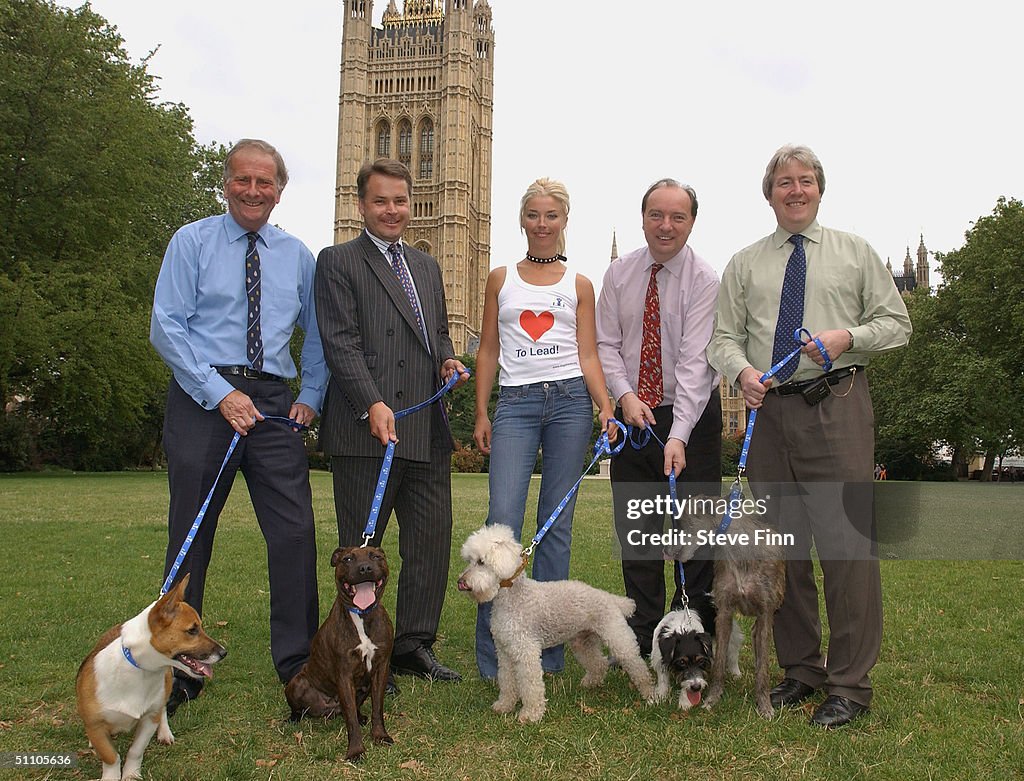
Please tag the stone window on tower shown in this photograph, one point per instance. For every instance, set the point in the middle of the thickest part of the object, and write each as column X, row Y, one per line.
column 383, row 140
column 405, row 142
column 426, row 149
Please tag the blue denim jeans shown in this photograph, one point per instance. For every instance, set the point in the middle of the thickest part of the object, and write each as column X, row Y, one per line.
column 555, row 418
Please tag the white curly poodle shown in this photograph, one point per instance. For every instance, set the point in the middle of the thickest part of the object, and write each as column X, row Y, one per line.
column 528, row 616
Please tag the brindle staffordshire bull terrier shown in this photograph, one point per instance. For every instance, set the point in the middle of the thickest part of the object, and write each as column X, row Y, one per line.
column 350, row 655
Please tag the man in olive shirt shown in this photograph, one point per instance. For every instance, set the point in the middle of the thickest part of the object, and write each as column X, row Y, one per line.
column 812, row 454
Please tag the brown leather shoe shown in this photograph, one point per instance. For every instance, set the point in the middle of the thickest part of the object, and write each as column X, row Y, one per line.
column 836, row 711
column 790, row 692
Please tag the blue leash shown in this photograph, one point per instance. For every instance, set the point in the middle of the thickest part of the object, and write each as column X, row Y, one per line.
column 389, row 455
column 206, row 503
column 602, row 447
column 736, row 492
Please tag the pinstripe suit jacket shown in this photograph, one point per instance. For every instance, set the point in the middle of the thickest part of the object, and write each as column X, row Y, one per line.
column 375, row 350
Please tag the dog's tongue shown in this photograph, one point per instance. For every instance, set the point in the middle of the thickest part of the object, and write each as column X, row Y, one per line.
column 693, row 697
column 200, row 667
column 364, row 596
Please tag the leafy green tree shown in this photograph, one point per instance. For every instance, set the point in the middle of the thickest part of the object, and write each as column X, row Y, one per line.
column 97, row 174
column 960, row 381
column 984, row 290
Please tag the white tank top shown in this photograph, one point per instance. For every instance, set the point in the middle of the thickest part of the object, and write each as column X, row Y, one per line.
column 537, row 330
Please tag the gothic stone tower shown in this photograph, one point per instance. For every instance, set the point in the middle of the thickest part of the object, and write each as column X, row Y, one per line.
column 420, row 89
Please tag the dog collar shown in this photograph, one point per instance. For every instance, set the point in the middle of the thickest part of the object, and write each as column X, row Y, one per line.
column 507, row 582
column 128, row 655
column 362, row 613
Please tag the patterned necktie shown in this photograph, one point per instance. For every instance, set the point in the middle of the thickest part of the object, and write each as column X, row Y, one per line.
column 253, row 333
column 395, row 254
column 650, row 387
column 791, row 309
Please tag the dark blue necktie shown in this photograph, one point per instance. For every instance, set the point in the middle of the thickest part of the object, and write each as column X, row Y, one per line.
column 253, row 333
column 395, row 255
column 791, row 310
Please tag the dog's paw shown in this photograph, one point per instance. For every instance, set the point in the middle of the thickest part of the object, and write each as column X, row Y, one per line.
column 530, row 716
column 383, row 739
column 165, row 736
column 712, row 698
column 503, row 706
column 765, row 709
column 592, row 679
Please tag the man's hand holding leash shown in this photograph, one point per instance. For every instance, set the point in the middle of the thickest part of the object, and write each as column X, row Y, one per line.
column 382, row 423
column 239, row 411
column 635, row 412
column 836, row 341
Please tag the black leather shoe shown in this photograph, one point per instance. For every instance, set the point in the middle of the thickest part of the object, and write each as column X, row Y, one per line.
column 391, row 688
column 422, row 663
column 790, row 692
column 183, row 689
column 836, row 711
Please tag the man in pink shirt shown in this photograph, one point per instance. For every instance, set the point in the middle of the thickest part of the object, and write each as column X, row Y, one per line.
column 682, row 406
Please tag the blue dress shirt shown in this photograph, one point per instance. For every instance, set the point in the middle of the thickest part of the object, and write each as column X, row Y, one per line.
column 199, row 308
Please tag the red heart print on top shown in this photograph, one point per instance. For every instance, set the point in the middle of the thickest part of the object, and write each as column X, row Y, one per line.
column 536, row 325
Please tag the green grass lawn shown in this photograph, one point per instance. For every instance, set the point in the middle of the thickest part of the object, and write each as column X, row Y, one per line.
column 83, row 552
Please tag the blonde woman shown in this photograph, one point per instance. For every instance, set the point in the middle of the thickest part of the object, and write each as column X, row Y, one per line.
column 539, row 334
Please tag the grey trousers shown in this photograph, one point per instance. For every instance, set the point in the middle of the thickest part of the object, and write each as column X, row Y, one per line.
column 815, row 465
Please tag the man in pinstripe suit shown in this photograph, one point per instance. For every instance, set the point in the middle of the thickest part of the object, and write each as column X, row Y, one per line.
column 384, row 326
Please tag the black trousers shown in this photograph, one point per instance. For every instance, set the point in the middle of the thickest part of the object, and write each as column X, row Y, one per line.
column 420, row 494
column 638, row 475
column 272, row 457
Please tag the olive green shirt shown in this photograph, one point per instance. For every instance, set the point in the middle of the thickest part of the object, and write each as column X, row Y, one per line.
column 847, row 287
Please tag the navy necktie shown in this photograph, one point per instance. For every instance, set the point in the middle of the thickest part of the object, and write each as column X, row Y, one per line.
column 253, row 333
column 791, row 309
column 395, row 254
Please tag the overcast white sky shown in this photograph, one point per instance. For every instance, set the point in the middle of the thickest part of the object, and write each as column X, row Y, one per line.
column 913, row 107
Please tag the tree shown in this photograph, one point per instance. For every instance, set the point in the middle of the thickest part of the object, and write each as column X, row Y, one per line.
column 960, row 381
column 96, row 177
column 984, row 291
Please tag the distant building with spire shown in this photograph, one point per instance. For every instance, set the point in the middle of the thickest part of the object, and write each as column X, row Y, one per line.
column 912, row 277
column 420, row 89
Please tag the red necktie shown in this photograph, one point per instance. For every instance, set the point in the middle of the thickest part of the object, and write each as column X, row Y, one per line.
column 650, row 387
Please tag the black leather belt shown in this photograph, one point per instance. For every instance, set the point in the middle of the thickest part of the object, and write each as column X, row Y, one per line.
column 248, row 372
column 831, row 378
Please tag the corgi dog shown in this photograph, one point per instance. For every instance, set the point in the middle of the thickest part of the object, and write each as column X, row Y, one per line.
column 123, row 684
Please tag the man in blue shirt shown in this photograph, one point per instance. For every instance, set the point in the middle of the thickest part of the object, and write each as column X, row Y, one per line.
column 230, row 292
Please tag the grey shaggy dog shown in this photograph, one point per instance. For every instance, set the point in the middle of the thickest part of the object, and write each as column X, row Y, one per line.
column 528, row 616
column 750, row 580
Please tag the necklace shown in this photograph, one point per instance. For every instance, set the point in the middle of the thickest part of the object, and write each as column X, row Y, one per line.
column 535, row 259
